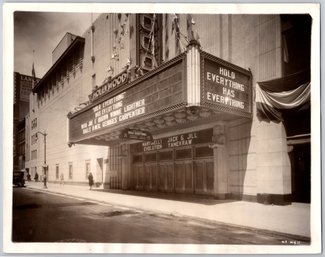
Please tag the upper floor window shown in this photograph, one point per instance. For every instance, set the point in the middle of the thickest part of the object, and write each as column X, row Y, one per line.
column 87, row 168
column 296, row 42
column 34, row 155
column 33, row 139
column 57, row 171
column 34, row 123
column 70, row 170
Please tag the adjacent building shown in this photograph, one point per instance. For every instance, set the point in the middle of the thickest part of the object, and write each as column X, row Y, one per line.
column 185, row 103
column 22, row 88
column 60, row 90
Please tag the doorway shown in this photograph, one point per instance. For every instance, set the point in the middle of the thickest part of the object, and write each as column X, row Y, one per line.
column 99, row 171
column 187, row 169
column 301, row 179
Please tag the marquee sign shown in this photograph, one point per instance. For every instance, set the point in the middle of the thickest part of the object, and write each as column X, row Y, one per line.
column 185, row 139
column 225, row 86
column 154, row 93
column 136, row 135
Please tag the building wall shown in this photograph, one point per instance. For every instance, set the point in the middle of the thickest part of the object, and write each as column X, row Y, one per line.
column 51, row 106
column 258, row 157
column 53, row 120
column 273, row 164
column 108, row 39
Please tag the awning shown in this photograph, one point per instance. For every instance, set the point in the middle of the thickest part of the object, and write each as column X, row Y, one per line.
column 280, row 95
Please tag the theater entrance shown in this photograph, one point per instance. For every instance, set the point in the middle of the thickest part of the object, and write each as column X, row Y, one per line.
column 180, row 170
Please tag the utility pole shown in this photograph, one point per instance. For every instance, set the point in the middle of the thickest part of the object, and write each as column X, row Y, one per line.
column 44, row 165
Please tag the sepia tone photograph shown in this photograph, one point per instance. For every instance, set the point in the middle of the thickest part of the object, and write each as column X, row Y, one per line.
column 162, row 130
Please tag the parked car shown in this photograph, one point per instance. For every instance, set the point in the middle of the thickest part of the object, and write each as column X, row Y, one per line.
column 19, row 178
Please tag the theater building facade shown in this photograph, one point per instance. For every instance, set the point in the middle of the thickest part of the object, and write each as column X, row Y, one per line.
column 197, row 104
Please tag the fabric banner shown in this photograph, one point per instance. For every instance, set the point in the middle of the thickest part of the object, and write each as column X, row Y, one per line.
column 271, row 103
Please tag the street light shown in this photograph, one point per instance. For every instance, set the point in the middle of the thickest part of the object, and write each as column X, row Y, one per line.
column 44, row 165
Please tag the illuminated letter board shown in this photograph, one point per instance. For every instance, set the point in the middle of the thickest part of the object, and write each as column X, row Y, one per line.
column 153, row 93
column 225, row 87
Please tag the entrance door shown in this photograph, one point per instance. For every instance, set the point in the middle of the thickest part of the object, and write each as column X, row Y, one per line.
column 138, row 176
column 115, row 167
column 99, row 171
column 183, row 177
column 150, row 171
column 301, row 173
column 165, row 171
column 187, row 169
column 166, row 176
column 150, row 177
column 203, row 176
column 203, row 170
column 184, row 170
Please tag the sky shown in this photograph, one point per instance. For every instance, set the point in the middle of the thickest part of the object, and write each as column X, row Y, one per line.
column 42, row 31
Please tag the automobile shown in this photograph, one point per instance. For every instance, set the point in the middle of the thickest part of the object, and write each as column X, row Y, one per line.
column 18, row 178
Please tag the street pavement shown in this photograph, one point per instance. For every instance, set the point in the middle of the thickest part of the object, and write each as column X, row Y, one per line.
column 42, row 217
column 291, row 219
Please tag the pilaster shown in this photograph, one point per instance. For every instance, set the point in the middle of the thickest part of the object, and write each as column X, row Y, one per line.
column 220, row 158
column 125, row 157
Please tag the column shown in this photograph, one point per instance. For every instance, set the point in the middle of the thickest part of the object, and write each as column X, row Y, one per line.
column 220, row 159
column 273, row 165
column 125, row 166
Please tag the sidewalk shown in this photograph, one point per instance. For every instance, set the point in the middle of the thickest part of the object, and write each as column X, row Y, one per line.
column 292, row 219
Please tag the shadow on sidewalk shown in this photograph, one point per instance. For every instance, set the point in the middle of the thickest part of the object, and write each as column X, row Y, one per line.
column 201, row 199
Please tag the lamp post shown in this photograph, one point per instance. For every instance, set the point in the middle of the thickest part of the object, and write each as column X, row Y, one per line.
column 44, row 165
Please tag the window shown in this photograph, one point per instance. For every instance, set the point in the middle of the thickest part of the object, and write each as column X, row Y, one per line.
column 70, row 171
column 87, row 168
column 184, row 154
column 21, row 149
column 57, row 171
column 163, row 156
column 34, row 123
column 204, row 151
column 114, row 153
column 34, row 155
column 137, row 158
column 151, row 157
column 33, row 139
column 296, row 40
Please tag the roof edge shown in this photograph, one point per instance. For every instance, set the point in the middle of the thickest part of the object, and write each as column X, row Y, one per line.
column 75, row 42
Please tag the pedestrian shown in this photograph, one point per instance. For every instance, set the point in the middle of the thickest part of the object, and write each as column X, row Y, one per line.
column 36, row 177
column 90, row 180
column 62, row 179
